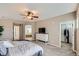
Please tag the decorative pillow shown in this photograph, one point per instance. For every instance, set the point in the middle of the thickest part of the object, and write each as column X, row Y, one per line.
column 1, row 42
column 3, row 51
column 7, row 44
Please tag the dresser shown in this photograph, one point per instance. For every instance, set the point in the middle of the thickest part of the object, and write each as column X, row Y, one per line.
column 42, row 37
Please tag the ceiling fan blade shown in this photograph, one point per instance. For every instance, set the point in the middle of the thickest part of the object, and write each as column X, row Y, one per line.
column 23, row 14
column 35, row 16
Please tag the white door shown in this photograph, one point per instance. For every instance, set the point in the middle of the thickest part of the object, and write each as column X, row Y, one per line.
column 16, row 32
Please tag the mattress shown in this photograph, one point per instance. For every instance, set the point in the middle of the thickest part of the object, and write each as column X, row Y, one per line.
column 24, row 48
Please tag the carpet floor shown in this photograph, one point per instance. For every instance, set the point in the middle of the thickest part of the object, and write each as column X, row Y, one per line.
column 50, row 50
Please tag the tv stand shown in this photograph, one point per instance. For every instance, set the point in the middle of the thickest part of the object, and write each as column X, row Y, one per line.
column 42, row 37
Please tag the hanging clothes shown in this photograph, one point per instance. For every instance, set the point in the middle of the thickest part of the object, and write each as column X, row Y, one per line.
column 66, row 35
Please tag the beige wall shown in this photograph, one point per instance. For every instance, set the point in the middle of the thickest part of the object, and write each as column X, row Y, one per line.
column 8, row 28
column 53, row 27
column 8, row 31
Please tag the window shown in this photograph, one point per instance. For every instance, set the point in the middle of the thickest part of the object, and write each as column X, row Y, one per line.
column 28, row 29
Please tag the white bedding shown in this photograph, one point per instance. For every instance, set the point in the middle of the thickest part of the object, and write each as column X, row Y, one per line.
column 3, row 47
column 24, row 48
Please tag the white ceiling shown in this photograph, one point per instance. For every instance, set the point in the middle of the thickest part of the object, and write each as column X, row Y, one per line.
column 46, row 10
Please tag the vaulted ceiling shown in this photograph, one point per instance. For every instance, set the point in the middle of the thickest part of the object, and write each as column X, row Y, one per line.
column 46, row 10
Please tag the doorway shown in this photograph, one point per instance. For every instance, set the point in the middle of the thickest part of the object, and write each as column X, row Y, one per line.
column 28, row 32
column 17, row 32
column 67, row 28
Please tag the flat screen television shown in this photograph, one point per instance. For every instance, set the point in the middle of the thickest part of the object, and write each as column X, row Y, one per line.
column 42, row 30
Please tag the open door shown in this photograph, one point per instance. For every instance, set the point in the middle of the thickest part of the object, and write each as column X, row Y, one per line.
column 28, row 32
column 70, row 26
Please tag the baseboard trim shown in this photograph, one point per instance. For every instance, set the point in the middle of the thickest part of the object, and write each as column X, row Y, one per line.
column 53, row 45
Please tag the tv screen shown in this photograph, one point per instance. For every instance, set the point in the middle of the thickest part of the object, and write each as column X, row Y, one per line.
column 41, row 30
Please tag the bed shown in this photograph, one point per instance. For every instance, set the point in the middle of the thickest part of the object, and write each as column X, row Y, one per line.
column 24, row 48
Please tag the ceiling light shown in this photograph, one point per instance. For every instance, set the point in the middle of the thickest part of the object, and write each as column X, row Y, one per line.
column 30, row 14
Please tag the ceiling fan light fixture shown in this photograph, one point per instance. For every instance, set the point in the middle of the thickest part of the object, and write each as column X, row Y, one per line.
column 29, row 17
column 30, row 14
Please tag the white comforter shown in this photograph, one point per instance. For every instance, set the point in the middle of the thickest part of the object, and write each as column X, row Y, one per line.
column 24, row 48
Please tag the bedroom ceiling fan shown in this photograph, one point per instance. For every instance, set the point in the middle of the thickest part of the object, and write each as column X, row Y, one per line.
column 30, row 14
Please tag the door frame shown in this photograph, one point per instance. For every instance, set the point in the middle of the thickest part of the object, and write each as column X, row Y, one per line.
column 73, row 40
column 13, row 30
column 25, row 34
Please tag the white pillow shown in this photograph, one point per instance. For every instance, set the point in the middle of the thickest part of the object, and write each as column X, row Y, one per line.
column 1, row 42
column 7, row 44
column 2, row 50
